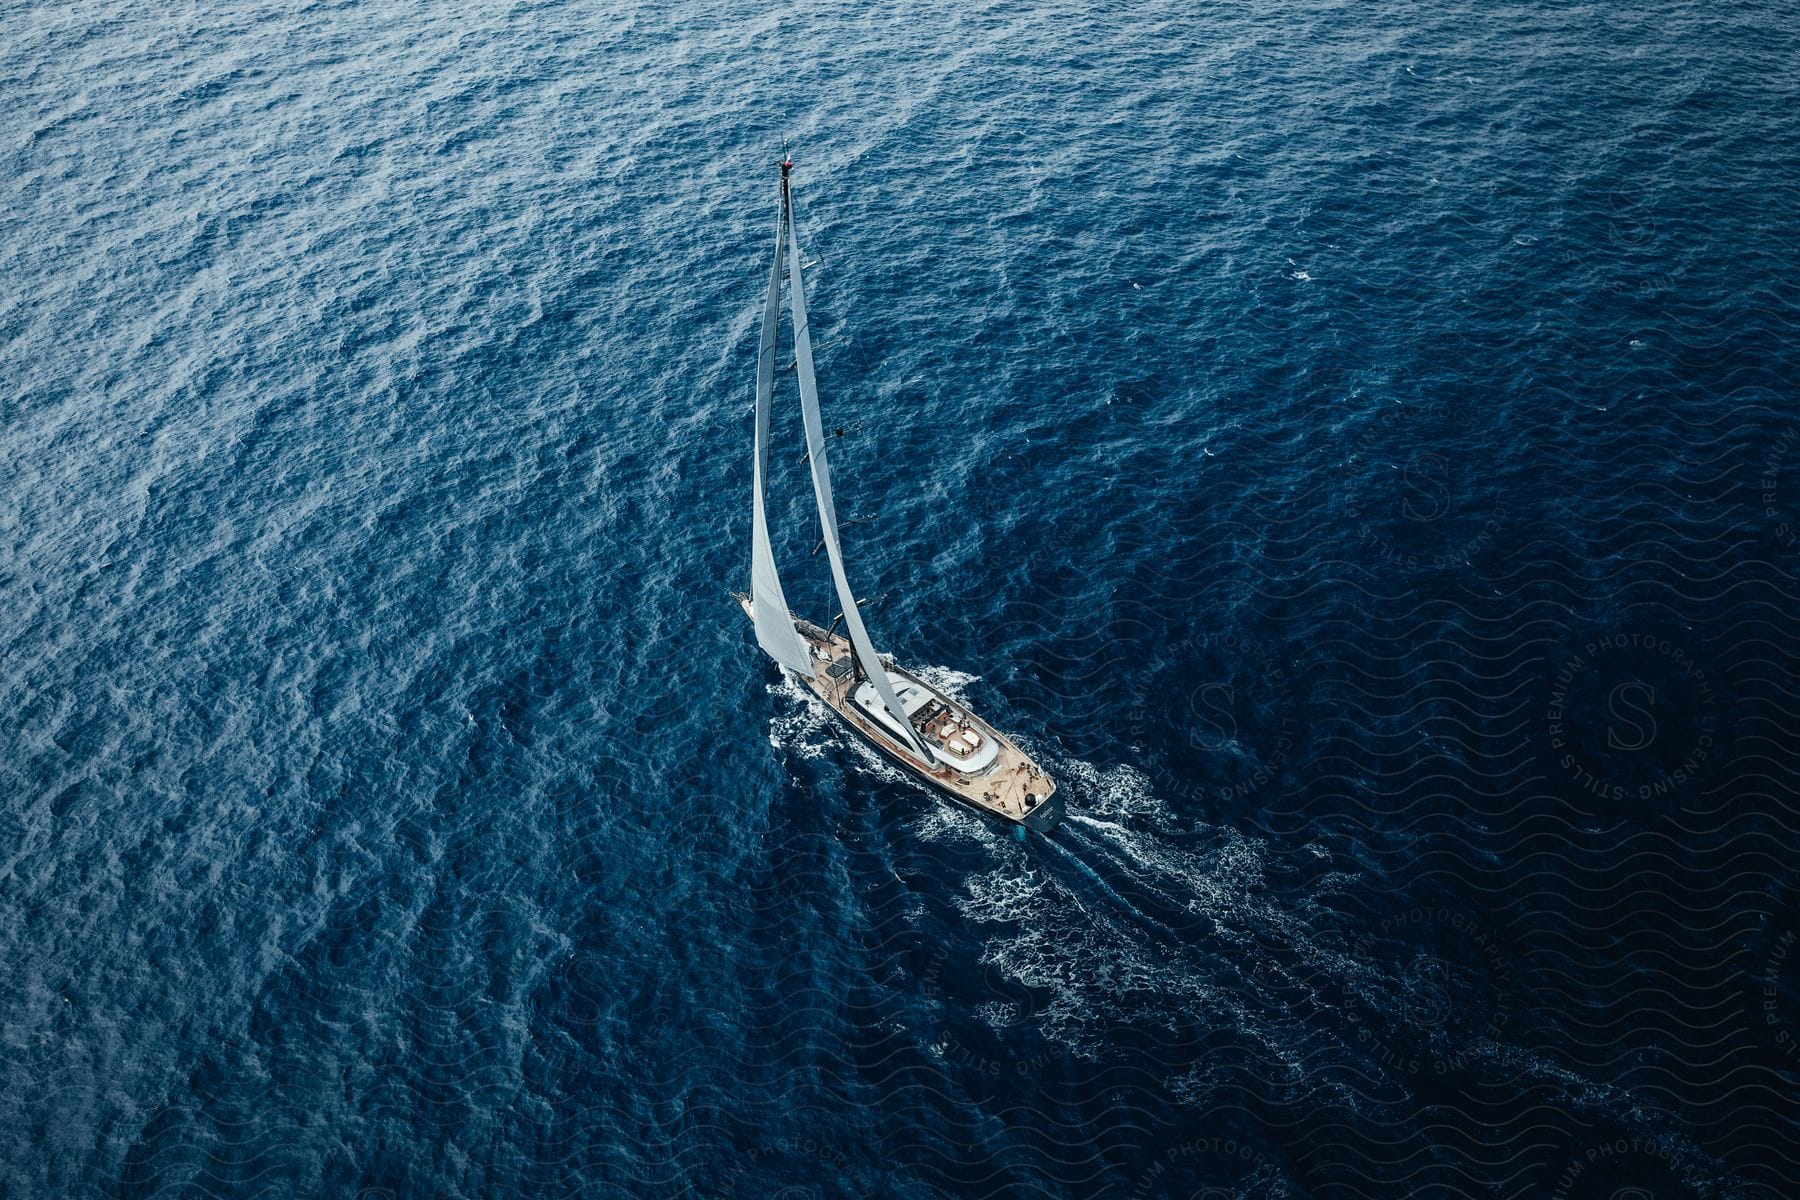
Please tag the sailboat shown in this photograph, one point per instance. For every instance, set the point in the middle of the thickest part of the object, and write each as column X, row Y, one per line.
column 925, row 733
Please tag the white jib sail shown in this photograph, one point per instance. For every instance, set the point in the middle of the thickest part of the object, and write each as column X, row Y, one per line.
column 815, row 445
column 775, row 631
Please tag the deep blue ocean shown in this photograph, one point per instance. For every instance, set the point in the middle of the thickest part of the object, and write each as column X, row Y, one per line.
column 1355, row 446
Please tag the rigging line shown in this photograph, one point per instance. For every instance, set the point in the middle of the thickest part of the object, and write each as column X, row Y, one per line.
column 840, row 431
column 843, row 525
column 791, row 363
column 809, row 408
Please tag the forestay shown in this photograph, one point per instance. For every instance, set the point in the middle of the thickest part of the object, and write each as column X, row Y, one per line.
column 815, row 445
column 775, row 631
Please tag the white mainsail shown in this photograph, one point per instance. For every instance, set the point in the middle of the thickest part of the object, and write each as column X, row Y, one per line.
column 815, row 445
column 775, row 631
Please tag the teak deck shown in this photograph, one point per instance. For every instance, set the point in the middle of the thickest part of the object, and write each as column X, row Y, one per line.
column 1000, row 791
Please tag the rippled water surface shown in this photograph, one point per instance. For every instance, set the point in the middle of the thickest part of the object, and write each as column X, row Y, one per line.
column 1354, row 446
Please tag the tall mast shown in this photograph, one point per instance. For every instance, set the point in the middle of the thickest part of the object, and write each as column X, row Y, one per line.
column 815, row 445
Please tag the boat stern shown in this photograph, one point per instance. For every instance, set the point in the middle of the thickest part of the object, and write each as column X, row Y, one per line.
column 1045, row 814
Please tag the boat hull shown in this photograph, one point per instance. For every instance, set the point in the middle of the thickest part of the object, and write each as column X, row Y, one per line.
column 1013, row 788
column 1042, row 818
